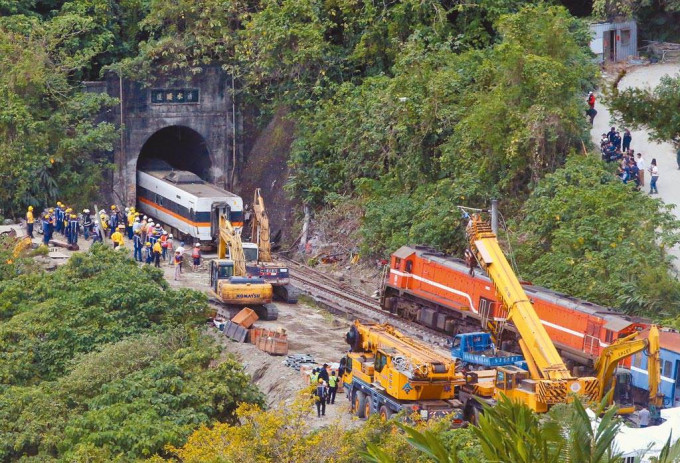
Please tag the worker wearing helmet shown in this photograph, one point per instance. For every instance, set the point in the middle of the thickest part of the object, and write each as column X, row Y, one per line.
column 196, row 256
column 137, row 245
column 96, row 233
column 46, row 228
column 117, row 237
column 130, row 222
column 148, row 253
column 320, row 396
column 59, row 217
column 113, row 220
column 66, row 216
column 87, row 223
column 157, row 251
column 73, row 229
column 29, row 222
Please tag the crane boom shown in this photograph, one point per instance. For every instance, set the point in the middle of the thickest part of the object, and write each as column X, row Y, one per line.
column 260, row 227
column 541, row 349
column 551, row 381
column 228, row 238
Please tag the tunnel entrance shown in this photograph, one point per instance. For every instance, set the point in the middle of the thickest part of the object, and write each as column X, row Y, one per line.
column 181, row 147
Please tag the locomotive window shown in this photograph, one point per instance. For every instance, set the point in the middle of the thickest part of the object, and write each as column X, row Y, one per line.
column 397, row 262
column 608, row 335
column 409, row 266
column 667, row 369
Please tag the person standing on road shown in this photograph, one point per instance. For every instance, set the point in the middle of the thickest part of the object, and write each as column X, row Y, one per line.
column 627, row 138
column 643, row 415
column 654, row 172
column 117, row 237
column 321, row 395
column 180, row 249
column 323, row 372
column 29, row 222
column 137, row 242
column 332, row 387
column 196, row 256
column 591, row 100
column 73, row 229
column 157, row 251
column 641, row 165
column 178, row 263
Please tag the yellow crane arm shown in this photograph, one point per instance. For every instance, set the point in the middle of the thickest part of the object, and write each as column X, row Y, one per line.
column 654, row 368
column 228, row 238
column 260, row 227
column 540, row 350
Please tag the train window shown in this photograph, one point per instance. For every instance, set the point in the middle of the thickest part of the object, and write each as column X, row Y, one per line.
column 637, row 360
column 608, row 335
column 667, row 369
column 397, row 262
column 409, row 266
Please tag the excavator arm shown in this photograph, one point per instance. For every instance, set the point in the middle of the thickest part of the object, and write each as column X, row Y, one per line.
column 606, row 364
column 230, row 240
column 260, row 227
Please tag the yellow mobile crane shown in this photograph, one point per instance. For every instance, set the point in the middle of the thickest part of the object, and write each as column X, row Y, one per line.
column 229, row 279
column 606, row 368
column 386, row 372
column 273, row 272
column 548, row 380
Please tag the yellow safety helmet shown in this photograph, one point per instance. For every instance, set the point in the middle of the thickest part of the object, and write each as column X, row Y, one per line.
column 30, row 208
column 148, row 243
column 113, row 207
column 51, row 209
column 73, row 216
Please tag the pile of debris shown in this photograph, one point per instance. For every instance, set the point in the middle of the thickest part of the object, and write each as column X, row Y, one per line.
column 241, row 329
column 296, row 361
column 665, row 51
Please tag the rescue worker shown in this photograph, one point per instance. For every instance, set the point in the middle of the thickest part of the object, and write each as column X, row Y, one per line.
column 143, row 228
column 148, row 254
column 130, row 222
column 58, row 213
column 138, row 245
column 46, row 228
column 157, row 251
column 323, row 372
column 51, row 224
column 320, row 396
column 96, row 234
column 87, row 224
column 332, row 387
column 170, row 248
column 73, row 229
column 113, row 220
column 137, row 226
column 178, row 263
column 66, row 220
column 117, row 237
column 151, row 235
column 314, row 377
column 105, row 225
column 164, row 244
column 196, row 256
column 29, row 222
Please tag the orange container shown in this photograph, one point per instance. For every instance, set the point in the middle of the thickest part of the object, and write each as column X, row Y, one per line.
column 273, row 343
column 245, row 318
column 255, row 334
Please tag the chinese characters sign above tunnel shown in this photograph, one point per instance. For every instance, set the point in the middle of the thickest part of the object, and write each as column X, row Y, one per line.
column 174, row 95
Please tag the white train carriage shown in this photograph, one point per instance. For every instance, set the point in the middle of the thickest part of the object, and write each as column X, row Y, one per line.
column 185, row 202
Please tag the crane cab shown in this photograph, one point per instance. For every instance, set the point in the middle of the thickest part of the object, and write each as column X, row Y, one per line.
column 516, row 384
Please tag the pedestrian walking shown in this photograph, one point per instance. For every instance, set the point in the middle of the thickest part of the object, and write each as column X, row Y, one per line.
column 654, row 173
column 29, row 222
column 320, row 396
column 196, row 256
column 178, row 264
column 332, row 387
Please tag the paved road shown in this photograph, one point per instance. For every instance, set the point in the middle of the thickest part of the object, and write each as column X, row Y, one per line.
column 669, row 174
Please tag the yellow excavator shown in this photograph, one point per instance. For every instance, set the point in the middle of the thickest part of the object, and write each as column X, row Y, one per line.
column 275, row 273
column 229, row 280
column 387, row 372
column 548, row 380
column 619, row 384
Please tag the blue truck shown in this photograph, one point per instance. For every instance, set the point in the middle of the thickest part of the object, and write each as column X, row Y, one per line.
column 478, row 350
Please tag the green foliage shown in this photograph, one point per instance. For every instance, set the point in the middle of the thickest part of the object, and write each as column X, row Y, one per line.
column 100, row 359
column 587, row 234
column 633, row 107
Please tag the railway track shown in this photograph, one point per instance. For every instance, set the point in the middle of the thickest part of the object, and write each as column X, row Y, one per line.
column 343, row 300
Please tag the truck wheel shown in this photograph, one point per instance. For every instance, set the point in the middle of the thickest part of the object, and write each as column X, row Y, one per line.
column 369, row 407
column 360, row 404
column 385, row 413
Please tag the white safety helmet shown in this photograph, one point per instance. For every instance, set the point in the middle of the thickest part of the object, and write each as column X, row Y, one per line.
column 127, row 209
column 145, row 217
column 170, row 235
column 86, row 211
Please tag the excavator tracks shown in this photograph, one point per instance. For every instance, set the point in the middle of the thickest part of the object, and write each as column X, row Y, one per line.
column 345, row 301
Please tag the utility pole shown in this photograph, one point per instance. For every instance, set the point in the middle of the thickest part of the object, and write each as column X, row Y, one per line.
column 494, row 216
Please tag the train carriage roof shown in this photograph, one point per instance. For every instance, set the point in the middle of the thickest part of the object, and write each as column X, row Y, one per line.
column 669, row 340
column 614, row 320
column 201, row 190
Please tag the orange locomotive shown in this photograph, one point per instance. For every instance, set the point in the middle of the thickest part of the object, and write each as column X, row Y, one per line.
column 443, row 293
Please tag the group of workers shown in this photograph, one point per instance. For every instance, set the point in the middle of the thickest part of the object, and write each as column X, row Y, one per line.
column 151, row 242
column 326, row 386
